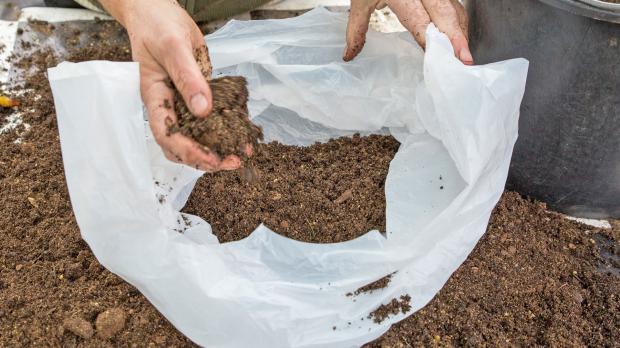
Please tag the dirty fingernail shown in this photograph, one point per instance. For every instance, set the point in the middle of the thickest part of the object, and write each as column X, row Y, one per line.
column 465, row 57
column 230, row 163
column 199, row 104
column 345, row 54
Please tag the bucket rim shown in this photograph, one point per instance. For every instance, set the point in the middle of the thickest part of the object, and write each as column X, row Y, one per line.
column 596, row 9
column 603, row 4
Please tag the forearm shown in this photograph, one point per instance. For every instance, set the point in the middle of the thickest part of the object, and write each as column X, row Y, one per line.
column 200, row 10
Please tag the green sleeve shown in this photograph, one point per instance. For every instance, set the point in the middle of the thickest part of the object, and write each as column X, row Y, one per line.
column 201, row 10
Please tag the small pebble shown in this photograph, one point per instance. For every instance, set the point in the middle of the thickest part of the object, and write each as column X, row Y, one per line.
column 110, row 322
column 79, row 327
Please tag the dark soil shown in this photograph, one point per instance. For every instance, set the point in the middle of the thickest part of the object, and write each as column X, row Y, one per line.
column 324, row 193
column 52, row 289
column 376, row 285
column 535, row 278
column 228, row 129
column 396, row 306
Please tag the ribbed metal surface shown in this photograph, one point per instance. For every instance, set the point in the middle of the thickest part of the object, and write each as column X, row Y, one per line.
column 209, row 10
column 582, row 8
column 603, row 4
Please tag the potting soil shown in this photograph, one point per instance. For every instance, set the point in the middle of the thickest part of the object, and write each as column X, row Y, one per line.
column 227, row 130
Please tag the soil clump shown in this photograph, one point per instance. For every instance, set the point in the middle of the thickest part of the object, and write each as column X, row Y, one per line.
column 227, row 130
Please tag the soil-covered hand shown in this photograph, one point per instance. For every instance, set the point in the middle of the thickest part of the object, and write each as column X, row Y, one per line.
column 448, row 15
column 164, row 40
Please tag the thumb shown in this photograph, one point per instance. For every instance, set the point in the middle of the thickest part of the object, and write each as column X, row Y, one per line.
column 357, row 27
column 189, row 80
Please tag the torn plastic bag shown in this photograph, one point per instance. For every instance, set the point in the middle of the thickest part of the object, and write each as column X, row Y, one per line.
column 453, row 121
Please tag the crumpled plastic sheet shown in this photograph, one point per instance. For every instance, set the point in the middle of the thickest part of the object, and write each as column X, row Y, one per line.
column 457, row 126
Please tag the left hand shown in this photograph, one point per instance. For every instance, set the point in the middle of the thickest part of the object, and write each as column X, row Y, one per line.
column 448, row 15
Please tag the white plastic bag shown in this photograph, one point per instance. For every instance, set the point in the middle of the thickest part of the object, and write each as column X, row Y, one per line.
column 454, row 122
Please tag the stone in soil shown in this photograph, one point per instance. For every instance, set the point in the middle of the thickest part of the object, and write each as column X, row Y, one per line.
column 110, row 322
column 79, row 326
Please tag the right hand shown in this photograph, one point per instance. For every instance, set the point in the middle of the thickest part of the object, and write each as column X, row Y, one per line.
column 163, row 40
column 415, row 15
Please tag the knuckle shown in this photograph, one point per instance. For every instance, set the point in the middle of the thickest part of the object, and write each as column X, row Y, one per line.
column 170, row 40
column 445, row 9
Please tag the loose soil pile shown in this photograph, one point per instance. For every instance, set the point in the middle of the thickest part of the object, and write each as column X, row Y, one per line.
column 535, row 278
column 324, row 193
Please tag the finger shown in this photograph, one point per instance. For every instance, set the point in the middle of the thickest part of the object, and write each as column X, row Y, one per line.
column 204, row 61
column 230, row 163
column 171, row 156
column 188, row 78
column 179, row 147
column 357, row 27
column 462, row 16
column 445, row 16
column 413, row 16
column 249, row 150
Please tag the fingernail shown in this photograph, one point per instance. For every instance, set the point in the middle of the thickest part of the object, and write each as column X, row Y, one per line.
column 199, row 104
column 465, row 57
column 345, row 55
column 230, row 163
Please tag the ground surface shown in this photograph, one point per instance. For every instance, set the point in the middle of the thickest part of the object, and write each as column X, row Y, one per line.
column 534, row 279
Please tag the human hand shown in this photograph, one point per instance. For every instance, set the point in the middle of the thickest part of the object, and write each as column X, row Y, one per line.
column 415, row 15
column 164, row 40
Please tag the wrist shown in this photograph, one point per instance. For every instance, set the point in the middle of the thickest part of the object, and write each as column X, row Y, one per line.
column 121, row 10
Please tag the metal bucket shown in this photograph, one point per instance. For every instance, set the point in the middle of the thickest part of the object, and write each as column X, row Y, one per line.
column 568, row 152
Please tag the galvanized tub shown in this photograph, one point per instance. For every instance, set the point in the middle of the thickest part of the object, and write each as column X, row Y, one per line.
column 568, row 152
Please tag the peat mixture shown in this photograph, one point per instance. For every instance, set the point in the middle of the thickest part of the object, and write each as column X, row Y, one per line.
column 227, row 130
column 534, row 278
column 324, row 193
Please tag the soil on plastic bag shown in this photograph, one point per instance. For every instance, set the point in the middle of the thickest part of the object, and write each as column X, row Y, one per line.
column 323, row 193
column 534, row 278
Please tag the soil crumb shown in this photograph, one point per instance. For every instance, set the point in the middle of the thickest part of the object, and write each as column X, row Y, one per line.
column 297, row 191
column 376, row 285
column 228, row 129
column 394, row 307
column 42, row 27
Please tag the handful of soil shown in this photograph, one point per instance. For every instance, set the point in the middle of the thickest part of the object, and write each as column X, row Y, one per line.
column 228, row 129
